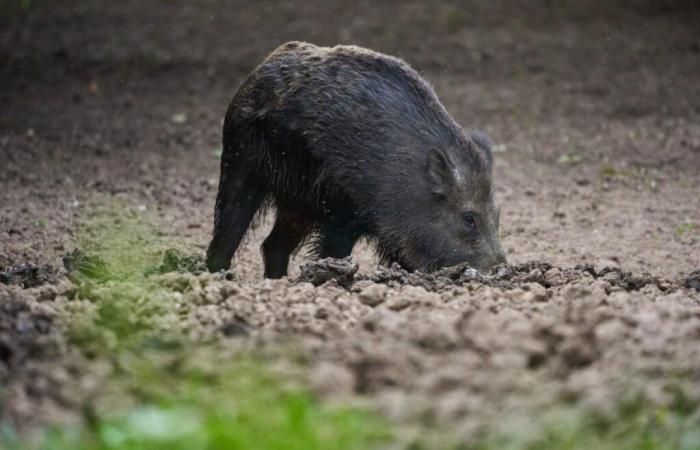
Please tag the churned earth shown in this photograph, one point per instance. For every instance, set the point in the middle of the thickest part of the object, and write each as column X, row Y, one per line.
column 595, row 115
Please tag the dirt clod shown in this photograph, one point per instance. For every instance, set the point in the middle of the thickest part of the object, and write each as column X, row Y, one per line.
column 510, row 276
column 28, row 275
column 327, row 269
column 29, row 349
column 237, row 326
column 373, row 294
column 693, row 280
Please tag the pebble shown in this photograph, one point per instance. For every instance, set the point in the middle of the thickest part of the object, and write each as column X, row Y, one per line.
column 554, row 277
column 373, row 294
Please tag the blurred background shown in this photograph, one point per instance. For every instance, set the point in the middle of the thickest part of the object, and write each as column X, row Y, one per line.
column 593, row 107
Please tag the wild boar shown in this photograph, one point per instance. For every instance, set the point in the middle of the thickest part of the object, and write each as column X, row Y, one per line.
column 348, row 143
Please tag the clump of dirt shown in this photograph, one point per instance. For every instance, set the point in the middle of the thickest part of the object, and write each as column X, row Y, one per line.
column 22, row 334
column 28, row 275
column 511, row 276
column 175, row 260
column 342, row 271
column 693, row 280
column 31, row 378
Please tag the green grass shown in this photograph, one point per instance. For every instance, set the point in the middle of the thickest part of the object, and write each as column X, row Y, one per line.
column 123, row 240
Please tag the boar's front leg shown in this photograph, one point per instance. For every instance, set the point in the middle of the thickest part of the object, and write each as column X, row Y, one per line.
column 286, row 235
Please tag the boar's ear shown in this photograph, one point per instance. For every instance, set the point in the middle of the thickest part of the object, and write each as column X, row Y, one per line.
column 484, row 143
column 443, row 176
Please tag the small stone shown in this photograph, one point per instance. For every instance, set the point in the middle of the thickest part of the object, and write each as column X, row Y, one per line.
column 212, row 295
column 329, row 378
column 606, row 264
column 65, row 288
column 397, row 302
column 536, row 292
column 179, row 118
column 609, row 332
column 373, row 294
column 575, row 291
column 47, row 293
column 553, row 277
column 194, row 296
column 693, row 280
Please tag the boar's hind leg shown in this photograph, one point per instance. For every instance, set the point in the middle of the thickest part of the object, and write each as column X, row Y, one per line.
column 237, row 201
column 288, row 232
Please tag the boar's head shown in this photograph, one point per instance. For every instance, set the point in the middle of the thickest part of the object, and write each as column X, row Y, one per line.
column 454, row 218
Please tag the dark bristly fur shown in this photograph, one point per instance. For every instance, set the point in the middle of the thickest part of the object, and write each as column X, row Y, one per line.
column 349, row 143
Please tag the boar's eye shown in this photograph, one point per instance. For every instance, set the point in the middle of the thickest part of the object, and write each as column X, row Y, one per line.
column 469, row 222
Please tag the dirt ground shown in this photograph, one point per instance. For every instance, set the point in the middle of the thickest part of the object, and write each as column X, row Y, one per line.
column 595, row 115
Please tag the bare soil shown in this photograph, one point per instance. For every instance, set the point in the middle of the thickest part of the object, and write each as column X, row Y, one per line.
column 595, row 113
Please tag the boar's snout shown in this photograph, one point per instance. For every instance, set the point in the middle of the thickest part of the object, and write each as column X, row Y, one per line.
column 490, row 259
column 500, row 258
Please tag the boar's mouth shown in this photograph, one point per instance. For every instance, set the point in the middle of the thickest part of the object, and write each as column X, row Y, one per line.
column 482, row 265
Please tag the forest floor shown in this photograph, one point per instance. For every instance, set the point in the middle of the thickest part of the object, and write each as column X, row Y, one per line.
column 110, row 141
